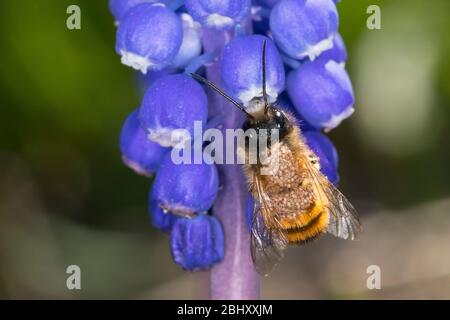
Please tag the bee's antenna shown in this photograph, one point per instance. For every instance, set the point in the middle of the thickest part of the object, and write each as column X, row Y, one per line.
column 220, row 91
column 266, row 104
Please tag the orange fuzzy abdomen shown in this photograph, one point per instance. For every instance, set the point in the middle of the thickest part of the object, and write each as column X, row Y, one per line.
column 307, row 226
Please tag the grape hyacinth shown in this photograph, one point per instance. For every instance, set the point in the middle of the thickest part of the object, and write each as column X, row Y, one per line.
column 204, row 207
column 170, row 107
column 245, row 53
column 149, row 37
column 138, row 152
column 304, row 28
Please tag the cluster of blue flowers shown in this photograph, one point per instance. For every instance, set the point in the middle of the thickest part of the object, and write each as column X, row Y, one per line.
column 165, row 41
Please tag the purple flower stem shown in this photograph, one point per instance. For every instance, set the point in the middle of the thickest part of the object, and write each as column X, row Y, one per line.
column 235, row 277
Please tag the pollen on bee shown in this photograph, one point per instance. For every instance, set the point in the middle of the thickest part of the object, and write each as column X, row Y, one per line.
column 281, row 173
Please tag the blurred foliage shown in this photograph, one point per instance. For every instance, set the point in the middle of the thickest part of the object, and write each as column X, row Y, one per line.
column 402, row 126
column 64, row 96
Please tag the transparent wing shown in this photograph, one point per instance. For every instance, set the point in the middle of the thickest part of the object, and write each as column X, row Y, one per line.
column 344, row 222
column 267, row 242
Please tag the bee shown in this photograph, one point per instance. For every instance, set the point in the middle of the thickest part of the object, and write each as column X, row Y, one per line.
column 296, row 203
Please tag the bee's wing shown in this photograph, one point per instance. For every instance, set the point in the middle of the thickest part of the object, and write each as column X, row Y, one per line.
column 267, row 244
column 344, row 222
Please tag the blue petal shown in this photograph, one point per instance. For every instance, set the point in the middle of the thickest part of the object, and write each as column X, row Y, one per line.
column 218, row 14
column 160, row 218
column 138, row 152
column 197, row 243
column 170, row 108
column 149, row 37
column 322, row 93
column 186, row 188
column 119, row 8
column 242, row 68
column 285, row 104
column 338, row 53
column 304, row 28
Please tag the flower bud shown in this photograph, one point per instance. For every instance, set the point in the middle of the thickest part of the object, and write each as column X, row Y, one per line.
column 185, row 189
column 197, row 243
column 170, row 107
column 242, row 68
column 322, row 93
column 138, row 152
column 149, row 37
column 304, row 28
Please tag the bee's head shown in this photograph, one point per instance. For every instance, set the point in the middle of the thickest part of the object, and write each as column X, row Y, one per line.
column 272, row 119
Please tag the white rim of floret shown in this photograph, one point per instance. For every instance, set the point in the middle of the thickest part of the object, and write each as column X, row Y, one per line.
column 248, row 95
column 136, row 167
column 188, row 22
column 336, row 119
column 158, row 4
column 169, row 137
column 135, row 61
column 312, row 52
column 138, row 62
column 218, row 21
column 179, row 210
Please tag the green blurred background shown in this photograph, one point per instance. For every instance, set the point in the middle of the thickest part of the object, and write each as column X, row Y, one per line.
column 66, row 198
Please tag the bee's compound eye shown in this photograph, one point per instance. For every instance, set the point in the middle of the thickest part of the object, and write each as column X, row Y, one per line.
column 280, row 119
